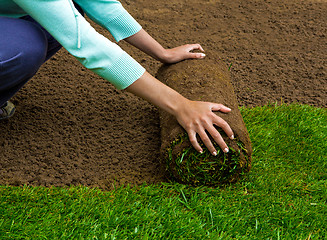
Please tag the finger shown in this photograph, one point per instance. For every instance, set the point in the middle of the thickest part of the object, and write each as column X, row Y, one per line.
column 220, row 107
column 195, row 47
column 218, row 139
column 207, row 142
column 200, row 47
column 194, row 142
column 218, row 121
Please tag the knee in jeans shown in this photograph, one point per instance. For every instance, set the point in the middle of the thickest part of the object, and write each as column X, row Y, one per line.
column 33, row 55
column 24, row 58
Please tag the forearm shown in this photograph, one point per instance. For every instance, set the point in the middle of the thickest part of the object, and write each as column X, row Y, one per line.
column 157, row 93
column 143, row 41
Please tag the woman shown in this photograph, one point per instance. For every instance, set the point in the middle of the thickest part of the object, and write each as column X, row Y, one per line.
column 32, row 31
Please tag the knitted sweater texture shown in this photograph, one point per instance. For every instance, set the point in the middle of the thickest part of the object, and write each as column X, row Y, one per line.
column 62, row 20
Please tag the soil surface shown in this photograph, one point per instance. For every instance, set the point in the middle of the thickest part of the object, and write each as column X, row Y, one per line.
column 73, row 128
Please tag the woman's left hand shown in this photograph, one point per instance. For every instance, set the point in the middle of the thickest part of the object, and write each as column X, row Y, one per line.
column 183, row 52
column 143, row 41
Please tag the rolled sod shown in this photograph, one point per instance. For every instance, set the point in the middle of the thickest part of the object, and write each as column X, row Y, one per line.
column 203, row 80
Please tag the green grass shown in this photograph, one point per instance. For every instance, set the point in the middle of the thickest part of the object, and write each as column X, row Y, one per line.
column 283, row 197
column 186, row 165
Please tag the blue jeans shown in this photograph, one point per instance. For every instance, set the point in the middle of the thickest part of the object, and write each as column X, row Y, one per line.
column 24, row 46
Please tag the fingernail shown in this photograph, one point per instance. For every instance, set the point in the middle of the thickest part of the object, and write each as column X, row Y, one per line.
column 201, row 151
column 232, row 137
column 229, row 109
column 214, row 153
column 202, row 55
column 226, row 150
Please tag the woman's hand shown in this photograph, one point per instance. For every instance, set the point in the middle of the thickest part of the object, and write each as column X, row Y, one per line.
column 198, row 117
column 195, row 117
column 143, row 41
column 180, row 53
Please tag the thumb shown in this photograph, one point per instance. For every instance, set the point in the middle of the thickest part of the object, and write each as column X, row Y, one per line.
column 196, row 55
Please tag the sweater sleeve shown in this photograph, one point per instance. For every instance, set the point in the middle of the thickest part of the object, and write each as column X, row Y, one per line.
column 74, row 33
column 111, row 15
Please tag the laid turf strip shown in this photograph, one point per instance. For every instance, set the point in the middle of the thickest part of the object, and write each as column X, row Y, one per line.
column 203, row 80
column 284, row 196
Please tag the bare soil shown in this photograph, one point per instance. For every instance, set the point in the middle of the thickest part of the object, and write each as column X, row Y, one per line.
column 74, row 128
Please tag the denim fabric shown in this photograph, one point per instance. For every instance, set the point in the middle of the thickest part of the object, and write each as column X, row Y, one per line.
column 24, row 46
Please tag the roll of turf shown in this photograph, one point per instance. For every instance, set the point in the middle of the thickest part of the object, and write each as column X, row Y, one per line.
column 203, row 80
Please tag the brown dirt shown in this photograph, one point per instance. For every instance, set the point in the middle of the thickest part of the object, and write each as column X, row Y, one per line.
column 72, row 127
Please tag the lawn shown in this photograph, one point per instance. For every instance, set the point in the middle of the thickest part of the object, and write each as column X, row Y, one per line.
column 283, row 197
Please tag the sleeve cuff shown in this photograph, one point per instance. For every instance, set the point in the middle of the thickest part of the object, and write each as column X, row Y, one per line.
column 123, row 72
column 123, row 26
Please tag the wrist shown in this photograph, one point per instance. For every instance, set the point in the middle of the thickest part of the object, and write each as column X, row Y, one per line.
column 163, row 55
column 177, row 104
column 160, row 95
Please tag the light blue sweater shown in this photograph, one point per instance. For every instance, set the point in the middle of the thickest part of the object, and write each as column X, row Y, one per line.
column 62, row 20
